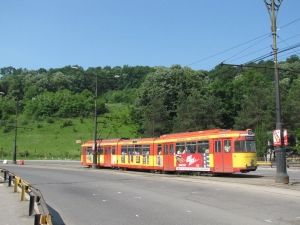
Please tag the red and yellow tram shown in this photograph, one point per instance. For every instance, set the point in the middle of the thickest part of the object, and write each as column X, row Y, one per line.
column 209, row 151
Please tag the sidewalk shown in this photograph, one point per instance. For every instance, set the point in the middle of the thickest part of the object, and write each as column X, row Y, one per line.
column 13, row 210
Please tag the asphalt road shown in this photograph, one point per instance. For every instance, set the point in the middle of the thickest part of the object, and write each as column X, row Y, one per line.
column 77, row 195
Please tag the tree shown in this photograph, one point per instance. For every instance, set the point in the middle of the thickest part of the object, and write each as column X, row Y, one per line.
column 291, row 106
column 155, row 119
column 197, row 112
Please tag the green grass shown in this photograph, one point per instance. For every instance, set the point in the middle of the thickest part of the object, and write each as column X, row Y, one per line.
column 57, row 140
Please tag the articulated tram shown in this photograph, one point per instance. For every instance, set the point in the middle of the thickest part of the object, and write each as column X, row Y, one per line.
column 210, row 152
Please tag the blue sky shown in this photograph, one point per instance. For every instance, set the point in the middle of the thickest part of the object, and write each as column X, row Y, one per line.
column 89, row 33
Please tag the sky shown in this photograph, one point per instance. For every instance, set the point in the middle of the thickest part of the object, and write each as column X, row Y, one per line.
column 199, row 34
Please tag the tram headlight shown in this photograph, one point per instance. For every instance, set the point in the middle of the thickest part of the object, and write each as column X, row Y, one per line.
column 252, row 162
column 246, row 164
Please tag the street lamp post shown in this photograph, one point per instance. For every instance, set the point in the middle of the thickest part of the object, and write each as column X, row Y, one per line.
column 94, row 165
column 16, row 132
column 95, row 150
column 16, row 103
column 281, row 174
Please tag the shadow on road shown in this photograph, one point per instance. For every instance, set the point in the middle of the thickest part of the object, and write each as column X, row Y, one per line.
column 247, row 176
column 56, row 218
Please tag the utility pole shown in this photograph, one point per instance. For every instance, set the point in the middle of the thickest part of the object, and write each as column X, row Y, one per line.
column 16, row 132
column 281, row 174
column 94, row 165
column 95, row 146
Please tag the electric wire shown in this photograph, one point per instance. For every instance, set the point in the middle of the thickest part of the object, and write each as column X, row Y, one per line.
column 247, row 48
column 262, row 49
column 272, row 53
column 239, row 45
column 225, row 50
column 287, row 44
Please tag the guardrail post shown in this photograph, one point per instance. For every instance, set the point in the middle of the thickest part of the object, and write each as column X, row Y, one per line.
column 9, row 180
column 31, row 204
column 5, row 175
column 17, row 179
column 37, row 219
column 24, row 188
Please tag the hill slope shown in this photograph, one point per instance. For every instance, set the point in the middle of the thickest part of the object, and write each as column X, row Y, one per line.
column 56, row 138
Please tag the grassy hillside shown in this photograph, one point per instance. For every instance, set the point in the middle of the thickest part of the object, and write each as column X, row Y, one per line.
column 56, row 138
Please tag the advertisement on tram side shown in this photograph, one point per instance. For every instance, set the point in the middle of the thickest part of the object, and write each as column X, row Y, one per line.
column 192, row 162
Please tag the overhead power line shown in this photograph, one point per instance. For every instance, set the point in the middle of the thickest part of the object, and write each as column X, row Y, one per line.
column 272, row 53
column 239, row 45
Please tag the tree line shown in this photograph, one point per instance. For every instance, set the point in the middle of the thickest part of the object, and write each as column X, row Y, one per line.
column 162, row 100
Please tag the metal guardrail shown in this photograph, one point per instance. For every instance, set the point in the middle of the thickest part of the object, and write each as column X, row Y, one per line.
column 37, row 204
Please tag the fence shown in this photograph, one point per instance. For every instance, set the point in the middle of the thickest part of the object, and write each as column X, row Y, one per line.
column 290, row 162
column 37, row 204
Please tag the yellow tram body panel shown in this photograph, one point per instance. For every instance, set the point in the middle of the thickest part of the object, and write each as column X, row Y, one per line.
column 240, row 160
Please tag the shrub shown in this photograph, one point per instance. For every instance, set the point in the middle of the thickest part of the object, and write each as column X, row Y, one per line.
column 23, row 153
column 50, row 120
column 66, row 123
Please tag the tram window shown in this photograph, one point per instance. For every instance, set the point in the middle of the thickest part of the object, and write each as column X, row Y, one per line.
column 217, row 146
column 227, row 146
column 89, row 150
column 146, row 149
column 250, row 146
column 171, row 149
column 202, row 146
column 113, row 150
column 124, row 150
column 158, row 149
column 131, row 150
column 107, row 150
column 180, row 147
column 137, row 149
column 165, row 149
column 100, row 150
column 244, row 146
column 190, row 147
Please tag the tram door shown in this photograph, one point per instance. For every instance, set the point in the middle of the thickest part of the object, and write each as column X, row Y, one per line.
column 168, row 152
column 223, row 155
column 107, row 156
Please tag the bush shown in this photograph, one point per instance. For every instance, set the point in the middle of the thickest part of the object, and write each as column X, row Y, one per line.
column 66, row 123
column 50, row 120
column 23, row 153
column 24, row 122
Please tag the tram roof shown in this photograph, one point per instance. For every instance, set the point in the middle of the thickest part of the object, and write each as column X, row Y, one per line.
column 205, row 133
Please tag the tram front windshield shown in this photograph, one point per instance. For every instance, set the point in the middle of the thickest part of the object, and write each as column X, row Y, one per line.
column 244, row 146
